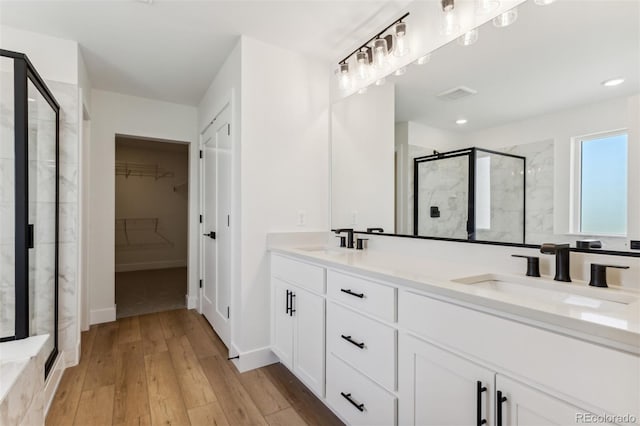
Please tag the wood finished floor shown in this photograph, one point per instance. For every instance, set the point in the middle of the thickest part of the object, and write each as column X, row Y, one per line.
column 170, row 368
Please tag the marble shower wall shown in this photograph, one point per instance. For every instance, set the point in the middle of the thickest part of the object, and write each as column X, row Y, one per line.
column 42, row 300
column 444, row 183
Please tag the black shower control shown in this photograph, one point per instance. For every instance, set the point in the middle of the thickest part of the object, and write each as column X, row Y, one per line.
column 435, row 211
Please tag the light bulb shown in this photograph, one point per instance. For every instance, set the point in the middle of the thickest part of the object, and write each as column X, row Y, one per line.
column 380, row 81
column 363, row 67
column 450, row 25
column 380, row 52
column 423, row 59
column 506, row 19
column 344, row 78
column 543, row 2
column 400, row 71
column 401, row 48
column 469, row 38
column 486, row 6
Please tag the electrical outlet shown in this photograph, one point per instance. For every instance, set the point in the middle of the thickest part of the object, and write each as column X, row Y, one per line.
column 302, row 217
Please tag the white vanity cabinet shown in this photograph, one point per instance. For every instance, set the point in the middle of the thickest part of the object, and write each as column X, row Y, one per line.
column 298, row 319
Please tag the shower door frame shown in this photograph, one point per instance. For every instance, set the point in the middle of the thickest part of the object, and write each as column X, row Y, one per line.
column 23, row 72
column 472, row 154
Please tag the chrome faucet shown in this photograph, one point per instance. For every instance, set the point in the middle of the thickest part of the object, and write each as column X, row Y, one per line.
column 562, row 253
column 349, row 232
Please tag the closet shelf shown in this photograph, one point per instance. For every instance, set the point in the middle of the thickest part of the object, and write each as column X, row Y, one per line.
column 126, row 169
column 140, row 233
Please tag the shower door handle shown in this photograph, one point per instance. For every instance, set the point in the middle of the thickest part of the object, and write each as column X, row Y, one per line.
column 30, row 236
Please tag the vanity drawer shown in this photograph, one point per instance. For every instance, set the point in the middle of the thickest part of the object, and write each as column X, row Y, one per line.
column 367, row 296
column 363, row 343
column 302, row 274
column 378, row 406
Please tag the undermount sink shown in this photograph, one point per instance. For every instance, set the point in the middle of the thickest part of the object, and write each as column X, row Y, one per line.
column 322, row 250
column 547, row 291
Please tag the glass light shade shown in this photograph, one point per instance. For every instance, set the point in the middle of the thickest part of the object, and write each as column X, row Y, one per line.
column 447, row 5
column 543, row 2
column 423, row 59
column 400, row 31
column 380, row 52
column 450, row 24
column 363, row 65
column 344, row 77
column 400, row 71
column 486, row 6
column 469, row 38
column 506, row 19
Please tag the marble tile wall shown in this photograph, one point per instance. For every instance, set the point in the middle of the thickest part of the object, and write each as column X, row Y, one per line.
column 444, row 183
column 414, row 151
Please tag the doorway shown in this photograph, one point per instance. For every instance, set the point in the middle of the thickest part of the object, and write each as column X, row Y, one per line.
column 217, row 223
column 151, row 226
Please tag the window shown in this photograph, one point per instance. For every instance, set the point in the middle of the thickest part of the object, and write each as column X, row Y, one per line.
column 603, row 184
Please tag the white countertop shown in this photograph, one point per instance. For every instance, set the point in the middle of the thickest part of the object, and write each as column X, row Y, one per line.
column 618, row 329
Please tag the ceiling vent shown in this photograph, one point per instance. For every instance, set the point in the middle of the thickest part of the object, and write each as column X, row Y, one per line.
column 456, row 93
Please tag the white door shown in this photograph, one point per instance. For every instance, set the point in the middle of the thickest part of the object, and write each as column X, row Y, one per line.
column 439, row 388
column 525, row 406
column 282, row 326
column 216, row 224
column 308, row 341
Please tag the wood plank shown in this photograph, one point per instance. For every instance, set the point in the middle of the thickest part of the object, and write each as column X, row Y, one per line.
column 196, row 390
column 308, row 406
column 95, row 407
column 131, row 402
column 234, row 399
column 165, row 401
column 263, row 392
column 65, row 402
column 152, row 336
column 210, row 414
column 101, row 368
column 221, row 348
column 286, row 417
column 171, row 325
column 128, row 330
column 139, row 421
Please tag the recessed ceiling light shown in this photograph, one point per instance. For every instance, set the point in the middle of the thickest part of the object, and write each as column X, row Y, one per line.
column 423, row 59
column 461, row 121
column 543, row 2
column 505, row 19
column 613, row 82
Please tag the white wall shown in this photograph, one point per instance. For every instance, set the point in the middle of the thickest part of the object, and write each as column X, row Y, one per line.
column 114, row 113
column 362, row 160
column 54, row 58
column 433, row 138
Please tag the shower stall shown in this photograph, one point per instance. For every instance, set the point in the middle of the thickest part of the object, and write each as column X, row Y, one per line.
column 29, row 201
column 470, row 194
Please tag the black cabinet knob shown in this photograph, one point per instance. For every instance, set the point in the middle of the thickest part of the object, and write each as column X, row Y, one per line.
column 533, row 264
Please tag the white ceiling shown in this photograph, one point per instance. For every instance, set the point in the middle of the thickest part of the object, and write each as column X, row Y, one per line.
column 553, row 58
column 171, row 49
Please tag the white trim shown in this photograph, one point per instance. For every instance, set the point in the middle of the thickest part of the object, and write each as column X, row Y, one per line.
column 144, row 266
column 98, row 316
column 191, row 301
column 253, row 359
column 53, row 381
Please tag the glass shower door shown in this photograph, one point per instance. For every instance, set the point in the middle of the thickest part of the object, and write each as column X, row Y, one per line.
column 42, row 217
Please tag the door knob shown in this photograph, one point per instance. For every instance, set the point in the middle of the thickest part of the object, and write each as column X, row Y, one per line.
column 211, row 235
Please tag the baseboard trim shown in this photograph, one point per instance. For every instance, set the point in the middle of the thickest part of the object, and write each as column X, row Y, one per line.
column 98, row 316
column 192, row 302
column 53, row 381
column 253, row 359
column 145, row 266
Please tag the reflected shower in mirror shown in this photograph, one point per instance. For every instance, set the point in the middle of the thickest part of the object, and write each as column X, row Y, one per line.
column 534, row 101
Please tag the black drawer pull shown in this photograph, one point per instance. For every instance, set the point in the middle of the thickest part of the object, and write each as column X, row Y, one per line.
column 501, row 399
column 288, row 302
column 479, row 389
column 291, row 310
column 348, row 291
column 353, row 342
column 347, row 396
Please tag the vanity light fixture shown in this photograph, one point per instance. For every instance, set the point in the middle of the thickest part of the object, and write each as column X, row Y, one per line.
column 613, row 82
column 423, row 59
column 486, row 6
column 543, row 2
column 469, row 38
column 505, row 19
column 461, row 121
column 373, row 56
column 450, row 23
